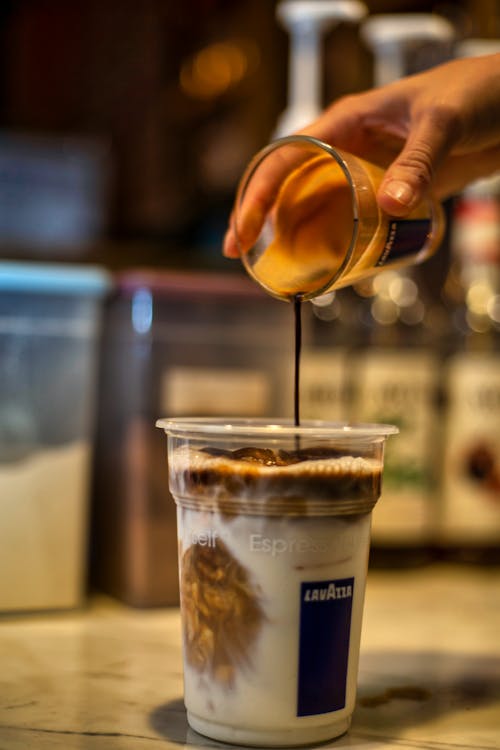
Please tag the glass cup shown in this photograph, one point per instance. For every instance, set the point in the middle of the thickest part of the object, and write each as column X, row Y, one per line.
column 307, row 221
column 273, row 531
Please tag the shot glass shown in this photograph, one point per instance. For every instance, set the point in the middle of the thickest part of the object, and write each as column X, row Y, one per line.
column 274, row 534
column 307, row 221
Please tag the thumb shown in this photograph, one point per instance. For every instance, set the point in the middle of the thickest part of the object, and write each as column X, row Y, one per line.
column 410, row 177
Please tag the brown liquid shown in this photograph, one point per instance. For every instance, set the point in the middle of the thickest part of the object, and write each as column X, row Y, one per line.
column 297, row 307
column 313, row 224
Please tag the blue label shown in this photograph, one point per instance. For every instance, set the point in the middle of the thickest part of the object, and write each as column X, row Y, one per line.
column 404, row 237
column 325, row 625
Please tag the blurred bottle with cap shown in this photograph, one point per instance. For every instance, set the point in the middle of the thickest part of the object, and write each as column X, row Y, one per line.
column 396, row 370
column 328, row 322
column 470, row 521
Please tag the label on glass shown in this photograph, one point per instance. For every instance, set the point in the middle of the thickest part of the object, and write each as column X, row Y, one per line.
column 325, row 626
column 471, row 502
column 399, row 387
column 405, row 237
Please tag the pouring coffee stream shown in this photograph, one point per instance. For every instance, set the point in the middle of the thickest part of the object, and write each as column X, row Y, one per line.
column 297, row 308
column 307, row 223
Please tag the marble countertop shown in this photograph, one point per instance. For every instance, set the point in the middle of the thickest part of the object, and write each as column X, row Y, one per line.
column 109, row 677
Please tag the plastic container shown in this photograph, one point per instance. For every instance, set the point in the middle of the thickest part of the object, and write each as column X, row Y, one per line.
column 53, row 195
column 177, row 343
column 274, row 530
column 49, row 327
column 307, row 221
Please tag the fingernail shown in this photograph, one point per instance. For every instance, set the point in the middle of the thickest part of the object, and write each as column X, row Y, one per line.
column 400, row 192
column 228, row 247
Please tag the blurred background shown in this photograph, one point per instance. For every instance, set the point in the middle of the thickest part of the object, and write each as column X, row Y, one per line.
column 170, row 101
column 124, row 128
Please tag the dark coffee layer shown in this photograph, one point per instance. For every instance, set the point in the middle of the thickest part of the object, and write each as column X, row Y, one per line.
column 312, row 481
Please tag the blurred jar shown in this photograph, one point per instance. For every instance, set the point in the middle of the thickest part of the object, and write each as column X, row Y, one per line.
column 50, row 323
column 174, row 344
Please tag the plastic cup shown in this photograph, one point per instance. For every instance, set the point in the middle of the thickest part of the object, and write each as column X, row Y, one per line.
column 273, row 530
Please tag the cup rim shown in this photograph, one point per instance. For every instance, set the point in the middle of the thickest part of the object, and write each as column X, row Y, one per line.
column 273, row 428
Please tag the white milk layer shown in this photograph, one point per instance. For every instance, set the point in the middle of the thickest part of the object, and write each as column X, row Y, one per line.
column 281, row 556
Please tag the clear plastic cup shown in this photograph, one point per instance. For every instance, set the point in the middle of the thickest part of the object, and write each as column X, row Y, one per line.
column 273, row 530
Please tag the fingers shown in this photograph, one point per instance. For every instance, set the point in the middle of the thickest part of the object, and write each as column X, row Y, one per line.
column 256, row 197
column 409, row 178
column 230, row 247
column 248, row 216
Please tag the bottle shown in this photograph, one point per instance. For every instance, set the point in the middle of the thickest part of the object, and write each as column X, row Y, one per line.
column 396, row 369
column 307, row 221
column 395, row 372
column 325, row 323
column 325, row 374
column 306, row 22
column 395, row 38
column 470, row 521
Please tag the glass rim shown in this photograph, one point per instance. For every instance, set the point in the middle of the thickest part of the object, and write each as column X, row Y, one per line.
column 337, row 155
column 306, row 140
column 272, row 428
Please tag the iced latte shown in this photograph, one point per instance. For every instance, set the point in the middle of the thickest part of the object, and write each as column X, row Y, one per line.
column 273, row 527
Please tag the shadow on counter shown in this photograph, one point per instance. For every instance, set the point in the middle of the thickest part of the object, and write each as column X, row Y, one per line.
column 396, row 690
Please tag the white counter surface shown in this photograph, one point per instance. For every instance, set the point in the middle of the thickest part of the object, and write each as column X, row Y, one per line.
column 109, row 678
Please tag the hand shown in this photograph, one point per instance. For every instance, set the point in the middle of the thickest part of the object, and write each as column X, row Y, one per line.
column 434, row 131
